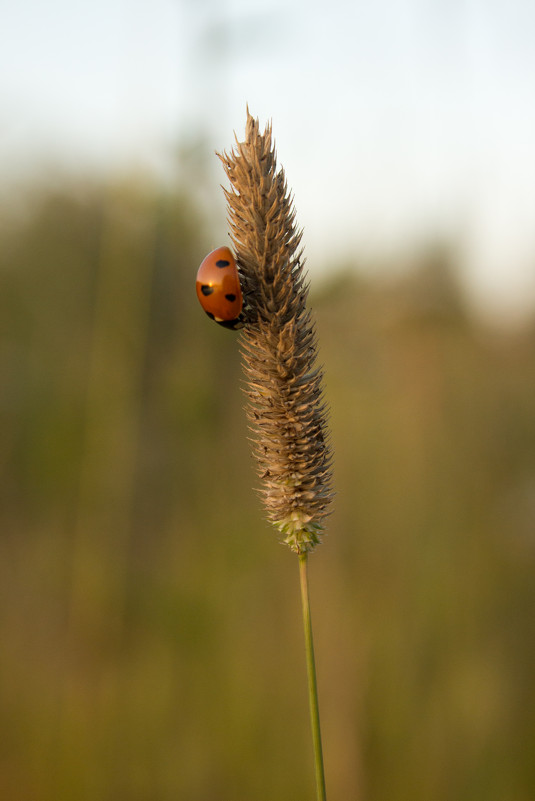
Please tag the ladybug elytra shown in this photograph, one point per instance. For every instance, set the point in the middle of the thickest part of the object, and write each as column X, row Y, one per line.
column 218, row 288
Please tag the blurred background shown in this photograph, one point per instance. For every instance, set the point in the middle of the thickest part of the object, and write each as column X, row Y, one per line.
column 150, row 630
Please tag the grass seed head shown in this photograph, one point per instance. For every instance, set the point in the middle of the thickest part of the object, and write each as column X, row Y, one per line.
column 286, row 411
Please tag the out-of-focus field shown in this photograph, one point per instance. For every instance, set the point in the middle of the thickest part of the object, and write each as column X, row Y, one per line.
column 150, row 631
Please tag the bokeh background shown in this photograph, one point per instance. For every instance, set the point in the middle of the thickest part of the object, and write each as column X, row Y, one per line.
column 150, row 630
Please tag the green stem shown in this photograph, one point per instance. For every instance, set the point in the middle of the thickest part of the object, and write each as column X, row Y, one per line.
column 312, row 683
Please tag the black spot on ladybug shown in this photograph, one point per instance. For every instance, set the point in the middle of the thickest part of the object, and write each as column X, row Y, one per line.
column 230, row 297
column 221, row 263
column 207, row 290
column 210, row 315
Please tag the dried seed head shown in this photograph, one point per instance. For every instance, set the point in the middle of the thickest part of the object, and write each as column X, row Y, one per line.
column 286, row 411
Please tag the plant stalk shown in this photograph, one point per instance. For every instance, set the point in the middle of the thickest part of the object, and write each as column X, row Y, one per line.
column 312, row 683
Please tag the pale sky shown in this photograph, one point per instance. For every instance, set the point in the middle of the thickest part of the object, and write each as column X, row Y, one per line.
column 397, row 121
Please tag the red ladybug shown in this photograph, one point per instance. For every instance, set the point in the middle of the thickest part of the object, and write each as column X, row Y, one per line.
column 218, row 288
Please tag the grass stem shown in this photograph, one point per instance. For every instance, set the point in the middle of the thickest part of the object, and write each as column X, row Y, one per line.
column 312, row 683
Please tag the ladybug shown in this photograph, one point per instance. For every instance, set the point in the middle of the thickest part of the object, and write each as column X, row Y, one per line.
column 218, row 289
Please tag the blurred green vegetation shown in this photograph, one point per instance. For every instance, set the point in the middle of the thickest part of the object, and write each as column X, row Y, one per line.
column 151, row 643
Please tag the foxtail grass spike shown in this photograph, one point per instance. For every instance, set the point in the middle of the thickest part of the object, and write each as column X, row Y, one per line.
column 286, row 410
